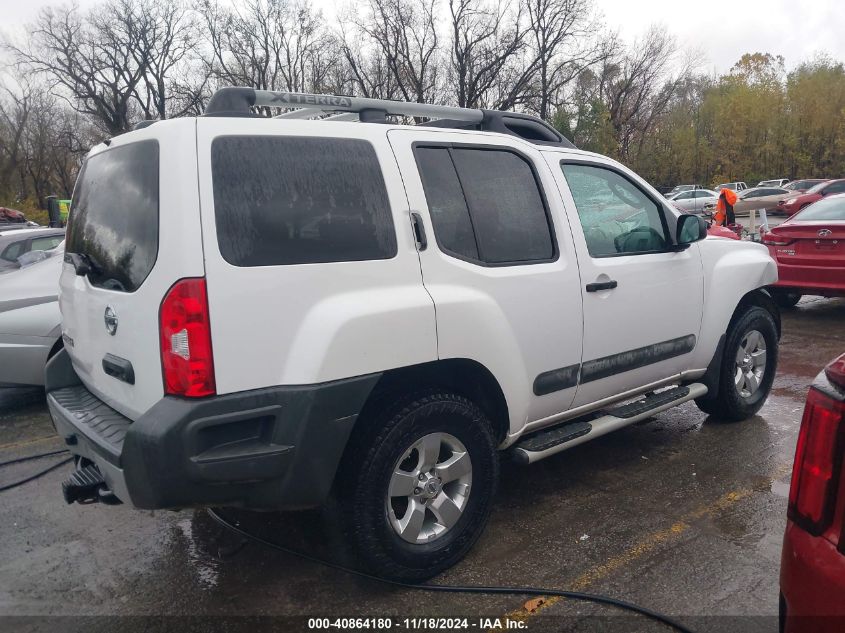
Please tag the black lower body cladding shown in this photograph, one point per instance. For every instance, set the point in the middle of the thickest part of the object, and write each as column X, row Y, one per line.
column 272, row 448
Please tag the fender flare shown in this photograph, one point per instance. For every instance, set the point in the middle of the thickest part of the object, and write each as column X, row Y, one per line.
column 760, row 297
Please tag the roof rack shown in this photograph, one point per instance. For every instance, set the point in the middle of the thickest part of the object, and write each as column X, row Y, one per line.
column 236, row 101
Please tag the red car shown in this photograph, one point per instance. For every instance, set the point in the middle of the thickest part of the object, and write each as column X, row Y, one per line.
column 814, row 193
column 812, row 568
column 722, row 231
column 809, row 249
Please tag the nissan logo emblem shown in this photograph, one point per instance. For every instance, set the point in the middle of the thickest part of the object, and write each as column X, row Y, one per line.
column 111, row 321
column 825, row 232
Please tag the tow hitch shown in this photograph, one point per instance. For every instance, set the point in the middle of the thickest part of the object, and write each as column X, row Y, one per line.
column 87, row 485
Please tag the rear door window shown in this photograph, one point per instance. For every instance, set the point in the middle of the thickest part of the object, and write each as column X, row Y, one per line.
column 485, row 205
column 446, row 203
column 299, row 200
column 114, row 221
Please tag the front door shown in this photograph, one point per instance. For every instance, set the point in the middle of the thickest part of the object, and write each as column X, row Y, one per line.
column 642, row 301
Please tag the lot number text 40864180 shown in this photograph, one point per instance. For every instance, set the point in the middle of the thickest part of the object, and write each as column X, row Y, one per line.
column 416, row 624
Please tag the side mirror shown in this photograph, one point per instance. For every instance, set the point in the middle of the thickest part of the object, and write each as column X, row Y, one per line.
column 691, row 228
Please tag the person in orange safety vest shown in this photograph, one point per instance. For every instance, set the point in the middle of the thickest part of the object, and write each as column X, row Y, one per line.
column 725, row 208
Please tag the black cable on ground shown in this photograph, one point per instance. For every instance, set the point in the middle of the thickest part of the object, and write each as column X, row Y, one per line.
column 31, row 457
column 40, row 473
column 477, row 589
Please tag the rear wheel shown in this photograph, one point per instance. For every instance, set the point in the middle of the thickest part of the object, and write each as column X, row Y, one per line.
column 748, row 367
column 417, row 484
column 785, row 299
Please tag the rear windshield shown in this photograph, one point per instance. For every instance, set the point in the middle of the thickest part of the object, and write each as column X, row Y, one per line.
column 826, row 209
column 114, row 215
column 297, row 200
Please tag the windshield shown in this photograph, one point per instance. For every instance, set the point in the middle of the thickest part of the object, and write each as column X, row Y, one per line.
column 801, row 184
column 823, row 210
column 818, row 187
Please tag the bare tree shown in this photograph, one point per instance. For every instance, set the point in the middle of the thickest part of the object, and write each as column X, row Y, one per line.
column 267, row 44
column 168, row 33
column 91, row 60
column 485, row 39
column 637, row 86
column 15, row 109
column 403, row 35
column 561, row 33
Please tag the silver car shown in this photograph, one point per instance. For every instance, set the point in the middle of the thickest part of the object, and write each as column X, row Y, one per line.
column 30, row 322
column 17, row 241
column 694, row 201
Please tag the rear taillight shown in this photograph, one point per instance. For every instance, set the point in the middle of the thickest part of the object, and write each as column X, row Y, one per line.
column 775, row 240
column 186, row 359
column 818, row 458
column 836, row 372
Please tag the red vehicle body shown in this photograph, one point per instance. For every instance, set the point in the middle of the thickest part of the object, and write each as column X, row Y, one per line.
column 793, row 204
column 722, row 231
column 809, row 248
column 812, row 573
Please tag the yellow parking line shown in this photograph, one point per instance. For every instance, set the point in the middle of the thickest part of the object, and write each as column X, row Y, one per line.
column 644, row 547
column 28, row 442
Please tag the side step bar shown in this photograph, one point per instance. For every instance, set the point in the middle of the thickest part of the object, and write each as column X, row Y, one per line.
column 548, row 442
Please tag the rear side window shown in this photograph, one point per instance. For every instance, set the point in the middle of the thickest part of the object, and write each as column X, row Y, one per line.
column 45, row 243
column 299, row 200
column 485, row 205
column 114, row 220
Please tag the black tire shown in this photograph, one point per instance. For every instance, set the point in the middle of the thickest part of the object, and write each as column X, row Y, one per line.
column 785, row 299
column 729, row 404
column 379, row 442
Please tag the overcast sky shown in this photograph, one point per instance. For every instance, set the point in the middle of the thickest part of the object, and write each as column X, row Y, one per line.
column 720, row 29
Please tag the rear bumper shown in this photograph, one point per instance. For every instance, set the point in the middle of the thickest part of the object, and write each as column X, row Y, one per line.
column 273, row 448
column 827, row 281
column 812, row 581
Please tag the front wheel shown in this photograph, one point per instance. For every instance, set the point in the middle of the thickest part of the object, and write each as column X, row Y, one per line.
column 417, row 484
column 749, row 362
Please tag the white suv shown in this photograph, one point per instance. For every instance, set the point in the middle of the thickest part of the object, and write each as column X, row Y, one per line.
column 260, row 312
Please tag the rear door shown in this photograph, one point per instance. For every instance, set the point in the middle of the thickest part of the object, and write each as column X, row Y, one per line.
column 135, row 218
column 499, row 262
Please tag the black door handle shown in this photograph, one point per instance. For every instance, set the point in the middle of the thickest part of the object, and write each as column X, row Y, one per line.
column 601, row 285
column 419, row 231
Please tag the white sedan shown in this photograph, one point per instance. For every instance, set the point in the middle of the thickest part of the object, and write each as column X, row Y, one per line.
column 30, row 322
column 694, row 201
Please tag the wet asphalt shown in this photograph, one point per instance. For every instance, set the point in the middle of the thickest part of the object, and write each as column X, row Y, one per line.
column 679, row 513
